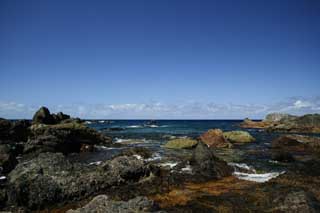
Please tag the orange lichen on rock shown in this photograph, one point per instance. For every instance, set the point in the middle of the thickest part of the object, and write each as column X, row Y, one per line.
column 190, row 191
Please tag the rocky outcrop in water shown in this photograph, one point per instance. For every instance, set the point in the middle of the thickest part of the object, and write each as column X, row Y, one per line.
column 207, row 165
column 238, row 137
column 102, row 204
column 215, row 138
column 65, row 138
column 181, row 143
column 309, row 123
column 297, row 143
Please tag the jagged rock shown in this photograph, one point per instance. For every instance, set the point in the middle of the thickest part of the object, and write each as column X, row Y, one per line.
column 43, row 116
column 59, row 117
column 181, row 143
column 238, row 137
column 51, row 178
column 65, row 138
column 206, row 164
column 102, row 204
column 215, row 138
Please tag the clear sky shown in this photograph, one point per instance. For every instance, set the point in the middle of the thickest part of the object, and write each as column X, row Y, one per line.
column 159, row 58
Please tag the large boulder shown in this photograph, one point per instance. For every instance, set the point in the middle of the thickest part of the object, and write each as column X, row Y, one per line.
column 181, row 143
column 207, row 165
column 215, row 138
column 238, row 137
column 297, row 143
column 102, row 204
column 65, row 138
column 43, row 116
column 51, row 178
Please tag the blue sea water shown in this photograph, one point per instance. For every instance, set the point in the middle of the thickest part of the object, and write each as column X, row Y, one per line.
column 154, row 134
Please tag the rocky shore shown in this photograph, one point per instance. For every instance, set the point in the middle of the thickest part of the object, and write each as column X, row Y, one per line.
column 277, row 122
column 42, row 170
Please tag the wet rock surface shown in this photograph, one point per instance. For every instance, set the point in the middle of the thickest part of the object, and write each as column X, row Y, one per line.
column 65, row 138
column 56, row 164
column 239, row 137
column 102, row 204
column 51, row 178
column 207, row 165
column 215, row 138
column 181, row 143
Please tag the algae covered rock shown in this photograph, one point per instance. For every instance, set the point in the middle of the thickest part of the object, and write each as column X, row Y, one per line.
column 239, row 137
column 215, row 138
column 181, row 143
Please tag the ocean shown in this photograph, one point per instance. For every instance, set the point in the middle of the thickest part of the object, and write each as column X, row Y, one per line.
column 154, row 134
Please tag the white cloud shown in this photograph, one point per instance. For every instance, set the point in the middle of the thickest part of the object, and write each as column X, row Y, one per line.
column 185, row 110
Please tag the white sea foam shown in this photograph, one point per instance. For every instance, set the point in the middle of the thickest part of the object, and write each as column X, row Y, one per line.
column 88, row 122
column 108, row 148
column 251, row 174
column 134, row 126
column 187, row 169
column 95, row 163
column 121, row 140
column 171, row 165
column 155, row 156
column 139, row 157
column 130, row 141
column 3, row 177
column 260, row 178
column 101, row 122
column 242, row 166
column 153, row 126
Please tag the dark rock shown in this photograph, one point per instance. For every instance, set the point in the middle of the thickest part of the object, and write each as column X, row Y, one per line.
column 297, row 143
column 65, row 138
column 282, row 156
column 5, row 127
column 7, row 158
column 295, row 201
column 14, row 131
column 43, row 116
column 20, row 130
column 102, row 203
column 59, row 117
column 51, row 178
column 207, row 165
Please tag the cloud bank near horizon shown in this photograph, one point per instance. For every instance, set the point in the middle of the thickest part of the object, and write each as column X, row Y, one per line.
column 158, row 110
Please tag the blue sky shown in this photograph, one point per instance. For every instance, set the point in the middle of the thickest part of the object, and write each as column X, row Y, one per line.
column 159, row 59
